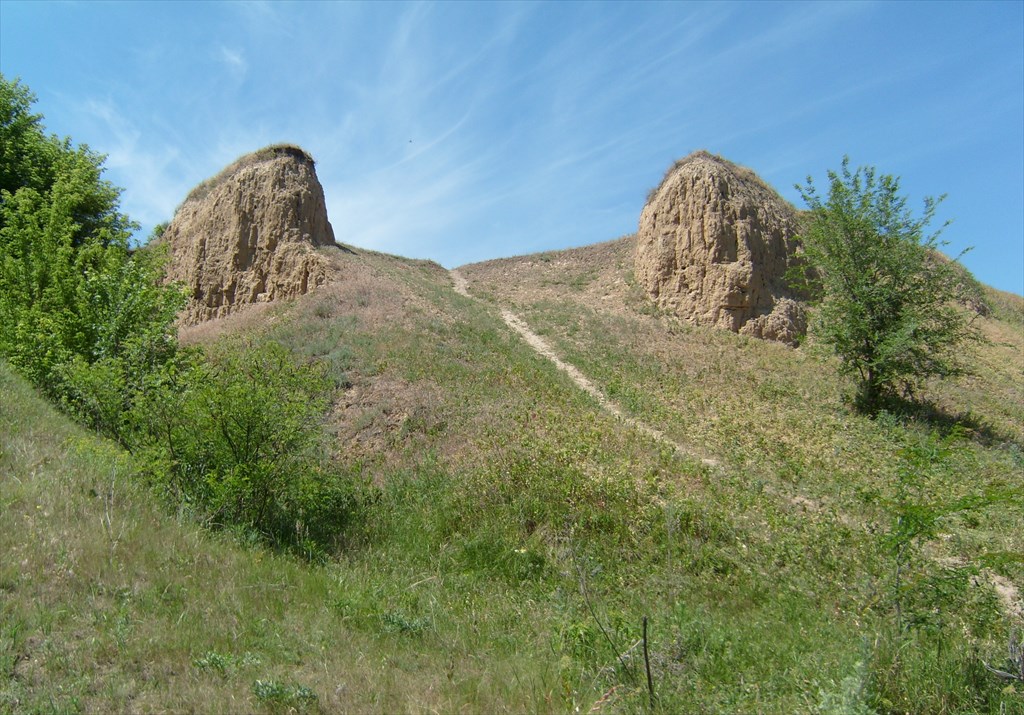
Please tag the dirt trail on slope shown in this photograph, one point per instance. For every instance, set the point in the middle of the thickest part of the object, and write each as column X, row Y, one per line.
column 542, row 348
column 1009, row 597
column 461, row 284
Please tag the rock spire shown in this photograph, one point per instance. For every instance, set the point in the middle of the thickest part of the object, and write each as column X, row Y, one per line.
column 713, row 246
column 250, row 234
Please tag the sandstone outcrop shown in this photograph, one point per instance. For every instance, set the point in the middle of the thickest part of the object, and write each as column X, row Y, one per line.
column 713, row 246
column 250, row 234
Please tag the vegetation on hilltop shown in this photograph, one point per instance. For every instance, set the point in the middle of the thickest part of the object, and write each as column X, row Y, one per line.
column 776, row 419
column 267, row 153
column 518, row 535
column 1006, row 306
column 742, row 172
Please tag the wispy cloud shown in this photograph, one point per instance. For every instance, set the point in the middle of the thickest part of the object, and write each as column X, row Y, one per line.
column 234, row 60
column 460, row 132
column 150, row 172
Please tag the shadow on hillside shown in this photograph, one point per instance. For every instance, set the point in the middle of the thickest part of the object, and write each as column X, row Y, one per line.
column 927, row 413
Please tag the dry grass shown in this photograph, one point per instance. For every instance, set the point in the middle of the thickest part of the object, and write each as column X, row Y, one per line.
column 267, row 153
column 1008, row 307
column 598, row 276
column 776, row 415
column 743, row 174
column 587, row 296
column 109, row 605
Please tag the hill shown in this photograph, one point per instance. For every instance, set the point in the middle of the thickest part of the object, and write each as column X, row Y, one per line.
column 517, row 531
column 449, row 577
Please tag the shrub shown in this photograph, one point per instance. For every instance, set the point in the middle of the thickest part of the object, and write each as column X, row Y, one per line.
column 236, row 435
column 72, row 293
column 294, row 698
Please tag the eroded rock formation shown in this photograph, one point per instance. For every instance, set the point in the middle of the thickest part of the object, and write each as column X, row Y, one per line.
column 250, row 234
column 714, row 244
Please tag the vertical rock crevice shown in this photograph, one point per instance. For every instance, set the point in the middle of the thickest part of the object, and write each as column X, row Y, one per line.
column 250, row 234
column 713, row 246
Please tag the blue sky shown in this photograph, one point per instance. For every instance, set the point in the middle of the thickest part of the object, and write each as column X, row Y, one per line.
column 460, row 132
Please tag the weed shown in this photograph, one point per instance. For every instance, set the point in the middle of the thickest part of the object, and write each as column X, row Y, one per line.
column 224, row 664
column 398, row 622
column 850, row 698
column 279, row 695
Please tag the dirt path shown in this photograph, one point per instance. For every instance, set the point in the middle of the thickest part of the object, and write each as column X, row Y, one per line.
column 544, row 350
column 1009, row 597
column 461, row 285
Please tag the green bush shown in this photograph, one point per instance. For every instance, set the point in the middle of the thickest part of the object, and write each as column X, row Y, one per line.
column 136, row 343
column 236, row 435
column 72, row 292
column 292, row 698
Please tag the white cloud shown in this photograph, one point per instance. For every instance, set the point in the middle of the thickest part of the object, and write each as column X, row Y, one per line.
column 234, row 60
column 147, row 172
column 461, row 132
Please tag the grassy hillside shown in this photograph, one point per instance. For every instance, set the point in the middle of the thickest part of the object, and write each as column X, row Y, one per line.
column 516, row 535
column 778, row 418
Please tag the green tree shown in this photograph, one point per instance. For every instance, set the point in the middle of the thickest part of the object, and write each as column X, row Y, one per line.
column 886, row 296
column 233, row 434
column 26, row 154
column 72, row 292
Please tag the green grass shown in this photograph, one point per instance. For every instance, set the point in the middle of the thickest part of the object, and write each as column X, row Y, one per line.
column 826, row 480
column 517, row 535
column 110, row 604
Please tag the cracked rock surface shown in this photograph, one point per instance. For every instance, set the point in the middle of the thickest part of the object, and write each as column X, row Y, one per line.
column 713, row 246
column 250, row 235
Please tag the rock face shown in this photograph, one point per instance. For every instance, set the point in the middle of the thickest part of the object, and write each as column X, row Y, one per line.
column 250, row 234
column 713, row 246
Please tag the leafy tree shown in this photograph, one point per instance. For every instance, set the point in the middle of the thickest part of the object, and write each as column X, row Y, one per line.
column 72, row 291
column 26, row 154
column 887, row 298
column 234, row 434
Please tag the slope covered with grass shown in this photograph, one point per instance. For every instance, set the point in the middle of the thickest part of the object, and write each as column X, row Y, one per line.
column 513, row 536
column 780, row 422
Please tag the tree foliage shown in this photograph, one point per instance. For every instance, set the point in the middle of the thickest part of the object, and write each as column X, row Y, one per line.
column 71, row 289
column 887, row 298
column 233, row 435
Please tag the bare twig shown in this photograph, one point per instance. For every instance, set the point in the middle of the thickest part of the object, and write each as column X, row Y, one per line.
column 603, row 700
column 1016, row 661
column 108, row 522
column 1002, row 673
column 593, row 613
